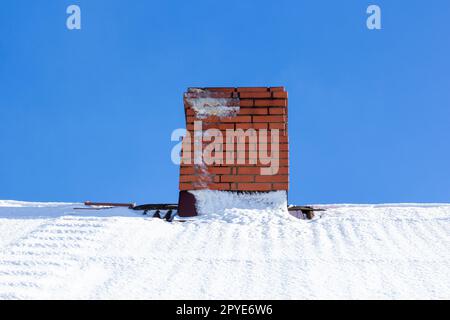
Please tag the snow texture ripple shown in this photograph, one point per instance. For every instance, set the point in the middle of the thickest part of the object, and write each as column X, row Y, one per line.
column 250, row 250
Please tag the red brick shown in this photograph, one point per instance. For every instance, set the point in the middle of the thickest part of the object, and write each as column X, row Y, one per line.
column 280, row 95
column 219, row 170
column 186, row 170
column 186, row 186
column 245, row 126
column 270, row 103
column 269, row 119
column 214, row 119
column 277, row 110
column 219, row 186
column 246, row 102
column 260, row 111
column 280, row 186
column 190, row 178
column 254, row 186
column 237, row 178
column 274, row 178
column 252, row 89
column 280, row 126
column 226, row 126
column 255, row 95
column 276, row 89
column 233, row 186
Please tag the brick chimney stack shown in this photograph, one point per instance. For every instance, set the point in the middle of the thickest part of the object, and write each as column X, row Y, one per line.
column 249, row 129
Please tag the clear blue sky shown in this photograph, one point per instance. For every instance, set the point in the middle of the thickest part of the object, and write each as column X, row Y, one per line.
column 87, row 114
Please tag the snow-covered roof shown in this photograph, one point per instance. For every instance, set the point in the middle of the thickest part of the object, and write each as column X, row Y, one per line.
column 258, row 251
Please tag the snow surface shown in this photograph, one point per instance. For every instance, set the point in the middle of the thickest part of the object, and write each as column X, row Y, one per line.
column 251, row 250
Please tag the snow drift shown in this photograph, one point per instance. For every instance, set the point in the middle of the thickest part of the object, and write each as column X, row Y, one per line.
column 242, row 208
column 255, row 250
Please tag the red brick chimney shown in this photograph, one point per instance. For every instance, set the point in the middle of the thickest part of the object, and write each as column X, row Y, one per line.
column 236, row 140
